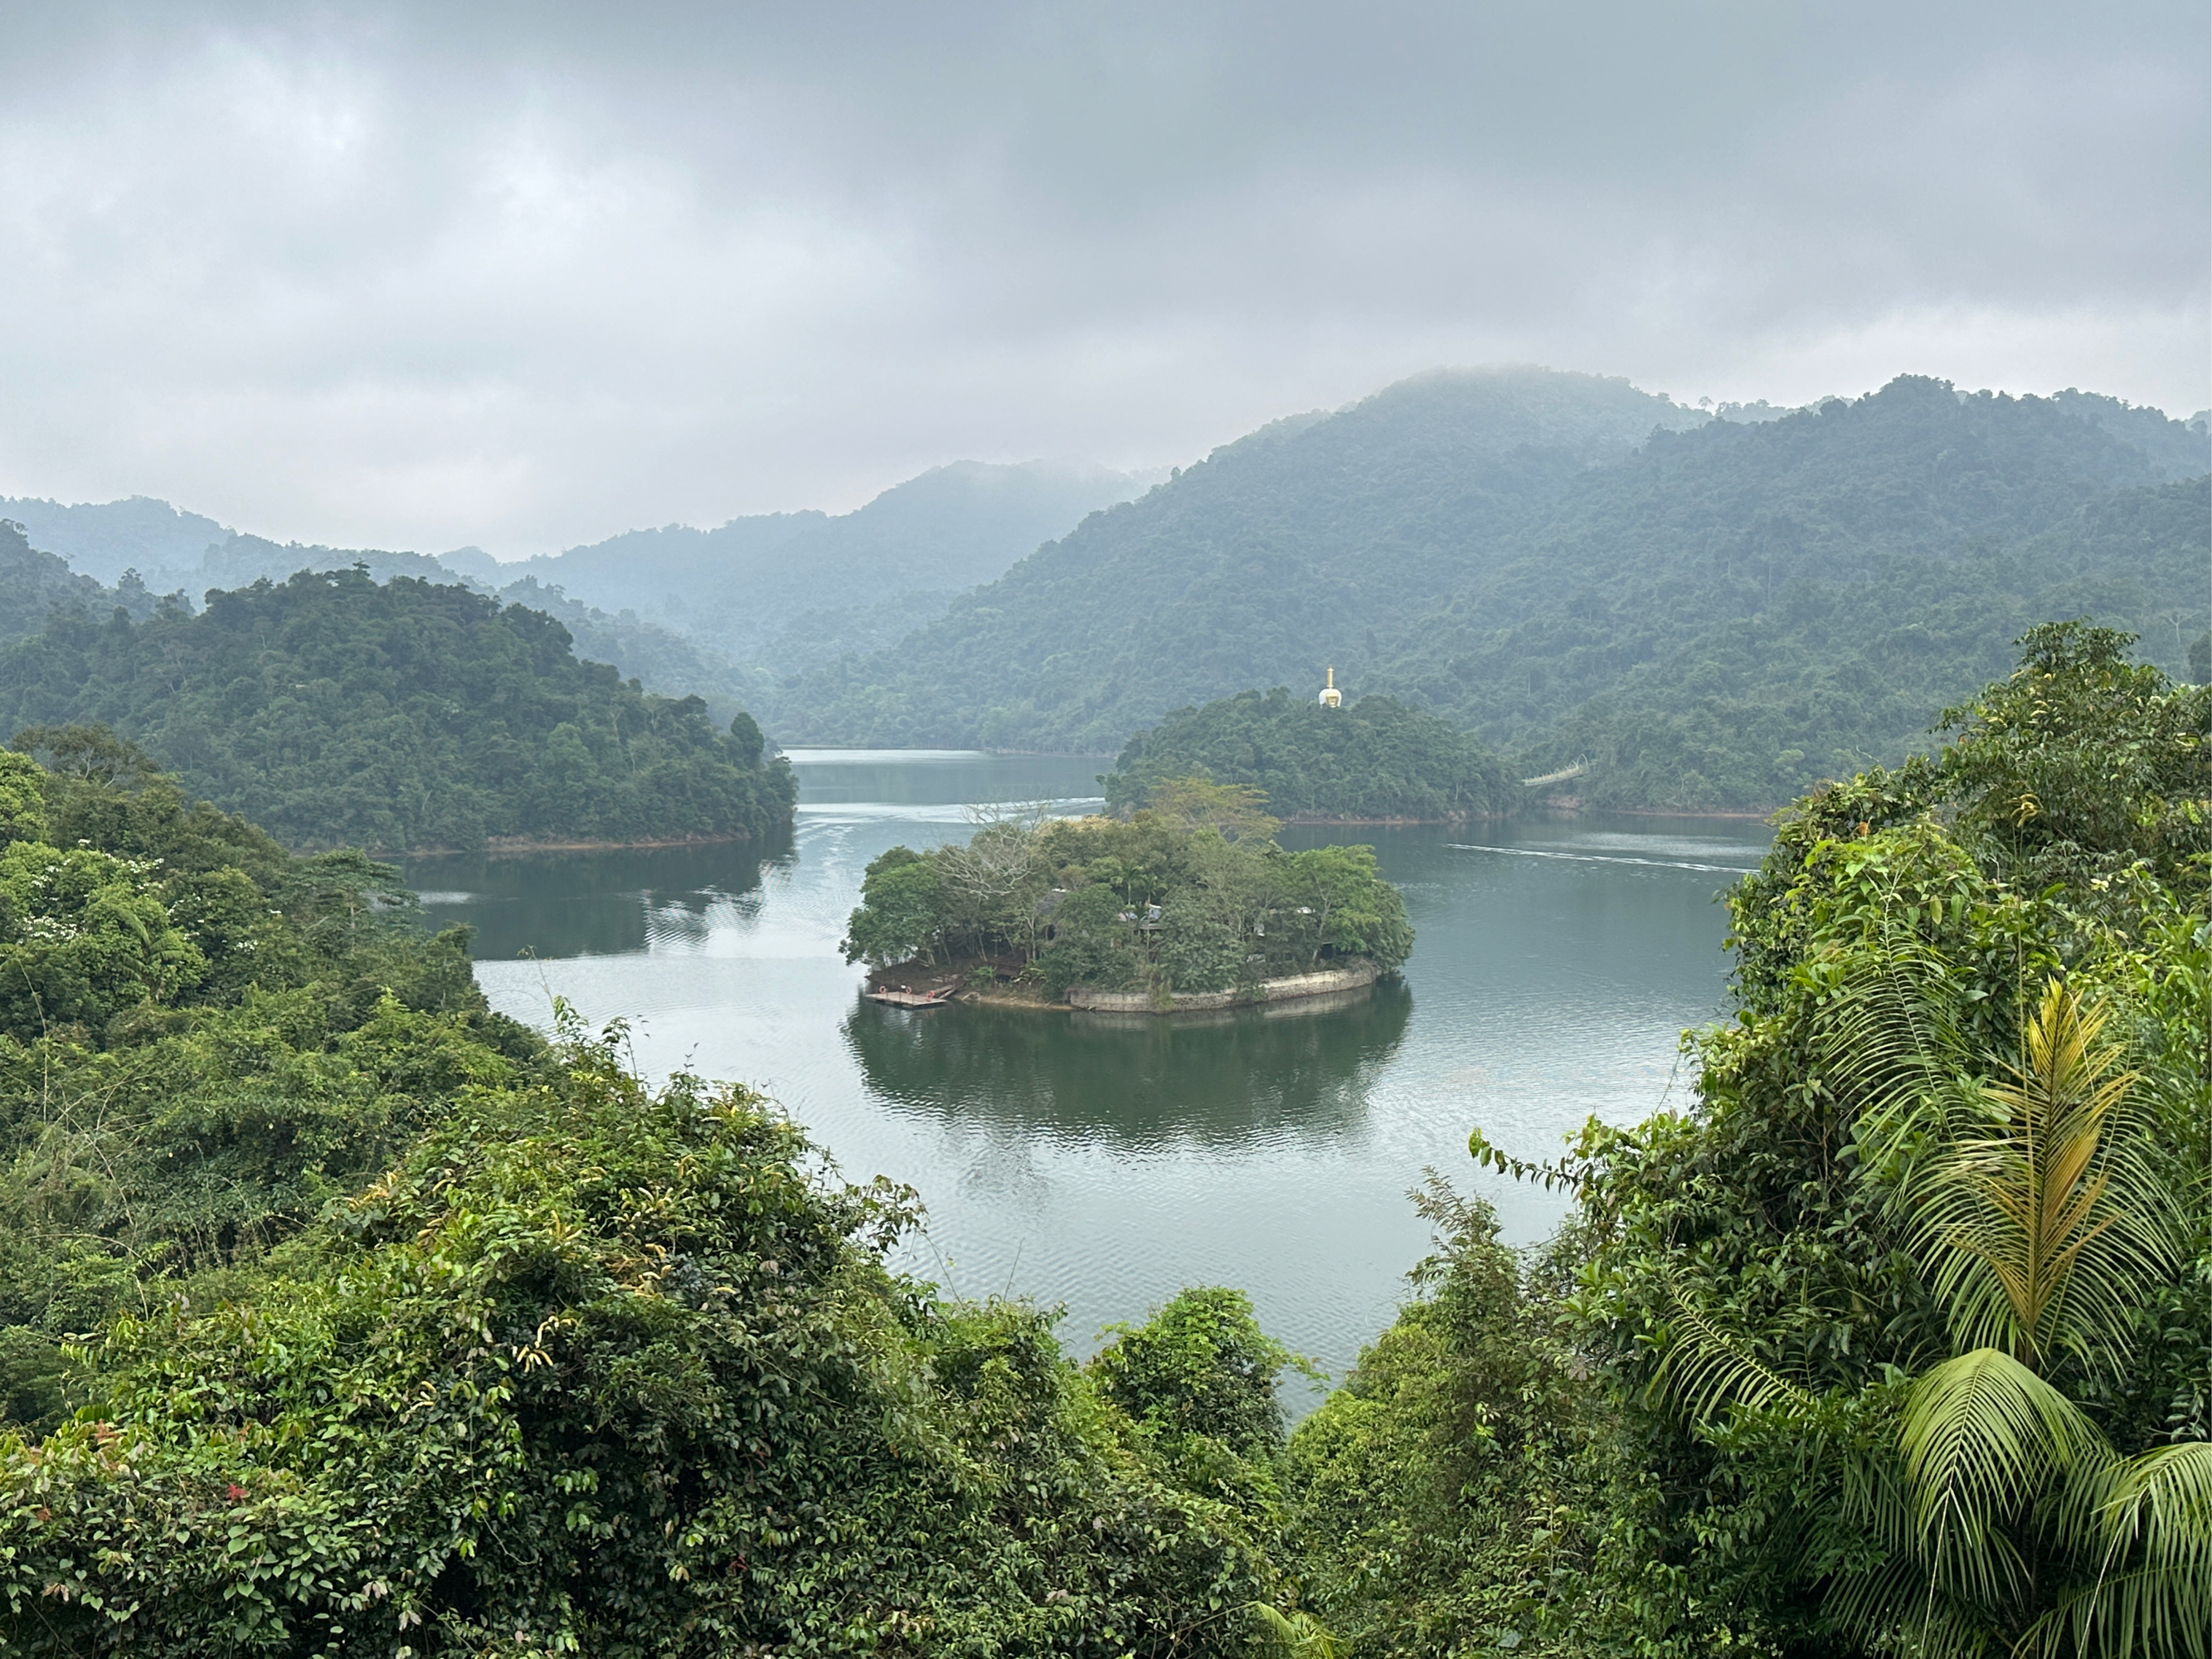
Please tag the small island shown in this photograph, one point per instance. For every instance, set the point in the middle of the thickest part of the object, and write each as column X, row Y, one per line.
column 1321, row 760
column 1187, row 904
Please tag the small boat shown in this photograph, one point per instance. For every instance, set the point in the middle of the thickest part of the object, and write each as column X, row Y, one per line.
column 898, row 999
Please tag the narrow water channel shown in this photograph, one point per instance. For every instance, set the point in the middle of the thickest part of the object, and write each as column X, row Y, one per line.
column 1101, row 1163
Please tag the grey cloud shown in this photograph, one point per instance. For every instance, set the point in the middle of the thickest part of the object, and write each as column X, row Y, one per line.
column 529, row 275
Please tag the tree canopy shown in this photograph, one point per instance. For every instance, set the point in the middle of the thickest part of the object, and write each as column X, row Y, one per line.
column 1373, row 758
column 1900, row 1340
column 1190, row 894
column 343, row 1316
column 399, row 716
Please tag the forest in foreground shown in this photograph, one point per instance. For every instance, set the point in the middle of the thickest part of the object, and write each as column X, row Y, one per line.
column 376, row 1325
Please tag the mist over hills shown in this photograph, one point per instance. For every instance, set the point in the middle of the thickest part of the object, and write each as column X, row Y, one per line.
column 1695, row 609
column 1276, row 551
column 1708, row 612
column 786, row 588
column 680, row 609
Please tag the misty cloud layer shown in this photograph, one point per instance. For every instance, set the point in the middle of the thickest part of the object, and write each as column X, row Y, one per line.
column 530, row 275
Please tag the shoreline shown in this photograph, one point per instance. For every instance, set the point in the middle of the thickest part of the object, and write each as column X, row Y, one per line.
column 522, row 846
column 1326, row 987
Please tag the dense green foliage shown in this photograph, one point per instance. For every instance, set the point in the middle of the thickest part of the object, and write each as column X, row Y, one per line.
column 1720, row 618
column 1371, row 759
column 1192, row 894
column 1738, row 612
column 201, row 1037
column 599, row 1370
column 1900, row 1341
column 410, row 1333
column 401, row 716
column 389, row 1329
column 660, row 660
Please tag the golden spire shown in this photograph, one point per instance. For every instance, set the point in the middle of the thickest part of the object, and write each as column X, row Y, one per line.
column 1330, row 696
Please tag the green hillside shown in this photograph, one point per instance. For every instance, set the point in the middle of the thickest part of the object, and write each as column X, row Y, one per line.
column 788, row 589
column 1286, row 548
column 421, row 1335
column 1714, row 618
column 1739, row 610
column 400, row 716
column 1372, row 759
column 36, row 587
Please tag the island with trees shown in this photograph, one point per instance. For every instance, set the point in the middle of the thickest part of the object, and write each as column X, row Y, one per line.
column 1369, row 761
column 402, row 716
column 1187, row 904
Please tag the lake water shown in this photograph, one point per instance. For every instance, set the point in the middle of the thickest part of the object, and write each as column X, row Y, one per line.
column 1103, row 1163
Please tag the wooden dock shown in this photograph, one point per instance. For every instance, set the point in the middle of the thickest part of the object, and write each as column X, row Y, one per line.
column 898, row 999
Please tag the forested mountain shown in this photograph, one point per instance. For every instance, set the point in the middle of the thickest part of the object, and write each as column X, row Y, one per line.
column 1372, row 759
column 1713, row 619
column 103, row 539
column 35, row 586
column 1737, row 611
column 401, row 715
column 787, row 588
column 725, row 613
column 1290, row 548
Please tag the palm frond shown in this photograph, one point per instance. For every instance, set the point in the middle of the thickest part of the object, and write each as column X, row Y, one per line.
column 1888, row 1039
column 2146, row 1522
column 1297, row 1635
column 2042, row 1221
column 1706, row 1369
column 1983, row 1439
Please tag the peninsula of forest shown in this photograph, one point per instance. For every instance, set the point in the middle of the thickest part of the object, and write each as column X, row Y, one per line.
column 402, row 717
column 1369, row 761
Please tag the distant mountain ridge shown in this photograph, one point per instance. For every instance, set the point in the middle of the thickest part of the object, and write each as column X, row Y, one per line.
column 1285, row 548
column 685, row 610
column 751, row 584
column 1711, row 612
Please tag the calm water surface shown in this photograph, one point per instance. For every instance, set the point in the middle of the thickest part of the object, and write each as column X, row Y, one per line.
column 1103, row 1163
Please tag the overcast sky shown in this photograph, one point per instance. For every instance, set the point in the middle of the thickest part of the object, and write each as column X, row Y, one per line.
column 527, row 275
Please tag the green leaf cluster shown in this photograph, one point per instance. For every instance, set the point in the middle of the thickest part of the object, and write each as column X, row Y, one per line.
column 398, row 716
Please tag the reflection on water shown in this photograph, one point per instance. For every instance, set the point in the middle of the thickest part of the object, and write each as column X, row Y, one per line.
column 593, row 904
column 1134, row 1080
column 1103, row 1163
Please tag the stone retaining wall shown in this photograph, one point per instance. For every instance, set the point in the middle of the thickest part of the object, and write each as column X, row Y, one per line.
column 1348, row 978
